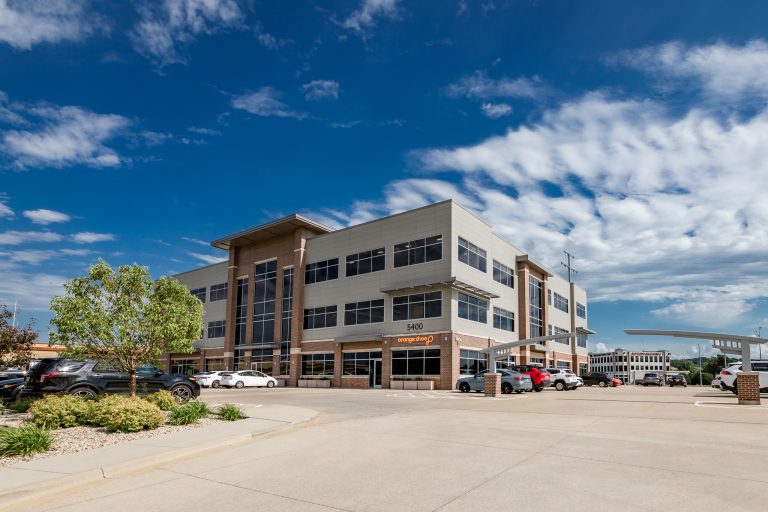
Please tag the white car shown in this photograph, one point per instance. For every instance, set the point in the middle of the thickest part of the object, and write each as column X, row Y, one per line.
column 209, row 379
column 563, row 379
column 249, row 378
column 728, row 376
column 716, row 382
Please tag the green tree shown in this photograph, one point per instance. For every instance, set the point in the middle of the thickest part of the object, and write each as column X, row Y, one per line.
column 15, row 343
column 125, row 316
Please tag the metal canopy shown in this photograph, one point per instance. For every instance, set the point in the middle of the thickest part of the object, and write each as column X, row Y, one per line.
column 493, row 351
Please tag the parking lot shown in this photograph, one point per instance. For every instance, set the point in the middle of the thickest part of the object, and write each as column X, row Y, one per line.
column 627, row 448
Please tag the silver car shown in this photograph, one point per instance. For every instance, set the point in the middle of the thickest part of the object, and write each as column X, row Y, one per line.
column 652, row 379
column 510, row 381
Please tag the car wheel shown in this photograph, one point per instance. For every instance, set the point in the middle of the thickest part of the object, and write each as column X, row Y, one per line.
column 239, row 384
column 506, row 388
column 601, row 384
column 538, row 389
column 464, row 387
column 559, row 386
column 270, row 384
column 216, row 384
column 181, row 393
column 83, row 391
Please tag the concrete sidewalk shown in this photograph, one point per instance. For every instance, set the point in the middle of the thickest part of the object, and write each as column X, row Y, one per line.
column 37, row 479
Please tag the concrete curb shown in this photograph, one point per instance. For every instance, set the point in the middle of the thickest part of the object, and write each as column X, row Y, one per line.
column 40, row 492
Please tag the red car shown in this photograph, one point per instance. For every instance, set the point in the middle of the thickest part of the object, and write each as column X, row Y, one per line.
column 539, row 377
column 615, row 382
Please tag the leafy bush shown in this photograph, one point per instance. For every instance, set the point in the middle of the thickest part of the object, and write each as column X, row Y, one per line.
column 230, row 412
column 24, row 440
column 163, row 399
column 124, row 414
column 61, row 411
column 188, row 413
column 21, row 405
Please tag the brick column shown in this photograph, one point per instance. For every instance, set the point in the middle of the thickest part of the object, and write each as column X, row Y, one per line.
column 386, row 363
column 749, row 388
column 492, row 384
column 338, row 366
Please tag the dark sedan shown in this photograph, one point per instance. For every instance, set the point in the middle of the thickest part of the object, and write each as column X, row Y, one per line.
column 597, row 379
column 9, row 389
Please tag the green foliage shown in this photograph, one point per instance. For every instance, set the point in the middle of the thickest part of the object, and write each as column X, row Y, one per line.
column 24, row 440
column 231, row 412
column 61, row 411
column 188, row 413
column 15, row 343
column 163, row 399
column 119, row 413
column 126, row 316
column 20, row 405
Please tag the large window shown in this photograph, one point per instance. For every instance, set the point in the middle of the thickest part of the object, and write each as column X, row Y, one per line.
column 240, row 310
column 317, row 364
column 364, row 312
column 557, row 330
column 416, row 362
column 185, row 366
column 472, row 308
column 365, row 262
column 560, row 302
column 322, row 271
column 264, row 289
column 503, row 274
column 286, row 315
column 359, row 363
column 216, row 329
column 262, row 360
column 419, row 251
column 472, row 255
column 581, row 310
column 218, row 292
column 199, row 293
column 566, row 365
column 503, row 319
column 419, row 305
column 472, row 362
column 317, row 318
column 534, row 292
column 581, row 339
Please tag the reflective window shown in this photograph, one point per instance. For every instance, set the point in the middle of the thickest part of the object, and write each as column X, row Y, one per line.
column 185, row 366
column 472, row 255
column 503, row 274
column 503, row 319
column 286, row 315
column 218, row 292
column 317, row 364
column 322, row 271
column 419, row 305
column 536, row 318
column 317, row 318
column 472, row 362
column 359, row 363
column 216, row 329
column 199, row 293
column 264, row 292
column 419, row 251
column 241, row 306
column 581, row 310
column 560, row 302
column 364, row 312
column 366, row 262
column 416, row 362
column 473, row 308
column 262, row 359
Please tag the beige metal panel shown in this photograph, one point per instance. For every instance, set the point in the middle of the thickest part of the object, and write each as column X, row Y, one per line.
column 205, row 277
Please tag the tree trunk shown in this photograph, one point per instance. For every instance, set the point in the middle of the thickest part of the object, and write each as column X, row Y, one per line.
column 132, row 374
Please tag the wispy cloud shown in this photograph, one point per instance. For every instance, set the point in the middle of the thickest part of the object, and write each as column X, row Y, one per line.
column 321, row 89
column 196, row 241
column 496, row 110
column 167, row 26
column 45, row 217
column 22, row 237
column 268, row 40
column 204, row 131
column 25, row 23
column 265, row 103
column 5, row 210
column 479, row 86
column 208, row 258
column 364, row 19
column 88, row 237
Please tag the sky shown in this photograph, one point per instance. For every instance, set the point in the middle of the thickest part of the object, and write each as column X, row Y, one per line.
column 634, row 135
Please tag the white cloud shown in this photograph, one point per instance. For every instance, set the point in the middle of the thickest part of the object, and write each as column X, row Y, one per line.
column 23, row 237
column 479, row 86
column 42, row 216
column 207, row 258
column 321, row 89
column 65, row 136
column 88, row 237
column 265, row 103
column 721, row 70
column 268, row 40
column 167, row 25
column 364, row 19
column 204, row 131
column 196, row 241
column 5, row 210
column 496, row 110
column 32, row 291
column 37, row 256
column 25, row 23
column 602, row 347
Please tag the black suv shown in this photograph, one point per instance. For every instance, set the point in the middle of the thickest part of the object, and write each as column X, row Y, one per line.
column 91, row 377
column 677, row 380
column 597, row 379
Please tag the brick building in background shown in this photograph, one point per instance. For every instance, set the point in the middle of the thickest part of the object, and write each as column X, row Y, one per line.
column 415, row 294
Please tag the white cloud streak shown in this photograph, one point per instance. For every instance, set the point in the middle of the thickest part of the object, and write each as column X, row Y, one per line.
column 45, row 217
column 23, row 237
column 88, row 237
column 26, row 23
column 496, row 110
column 363, row 20
column 5, row 210
column 265, row 102
column 207, row 258
column 479, row 86
column 321, row 89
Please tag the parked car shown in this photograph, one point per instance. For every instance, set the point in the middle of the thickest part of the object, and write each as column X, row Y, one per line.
column 653, row 379
column 615, row 382
column 597, row 379
column 539, row 377
column 209, row 379
column 510, row 381
column 579, row 382
column 247, row 378
column 728, row 376
column 562, row 379
column 677, row 380
column 9, row 390
column 12, row 373
column 638, row 382
column 92, row 377
column 716, row 382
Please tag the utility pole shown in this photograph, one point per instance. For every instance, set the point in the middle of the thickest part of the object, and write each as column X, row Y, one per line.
column 699, row 345
column 571, row 271
column 760, row 345
column 13, row 323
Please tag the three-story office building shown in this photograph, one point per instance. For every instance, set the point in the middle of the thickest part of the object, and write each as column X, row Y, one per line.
column 413, row 295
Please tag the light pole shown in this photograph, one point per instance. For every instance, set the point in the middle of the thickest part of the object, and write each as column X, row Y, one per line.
column 700, row 379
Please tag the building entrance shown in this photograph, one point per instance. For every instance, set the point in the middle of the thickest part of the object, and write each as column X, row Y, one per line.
column 374, row 378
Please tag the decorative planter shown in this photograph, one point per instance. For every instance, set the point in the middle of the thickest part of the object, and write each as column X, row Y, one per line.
column 396, row 384
column 314, row 383
column 424, row 385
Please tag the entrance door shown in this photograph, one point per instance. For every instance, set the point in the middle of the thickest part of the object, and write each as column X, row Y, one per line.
column 374, row 376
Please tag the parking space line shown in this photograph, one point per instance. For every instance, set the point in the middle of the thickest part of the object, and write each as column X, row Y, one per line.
column 711, row 405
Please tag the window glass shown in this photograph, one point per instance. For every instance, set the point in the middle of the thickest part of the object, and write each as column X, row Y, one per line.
column 503, row 319
column 472, row 362
column 199, row 293
column 317, row 364
column 365, row 312
column 322, row 271
column 416, row 362
column 218, row 292
column 419, row 305
column 216, row 329
column 265, row 285
column 473, row 308
column 535, row 307
column 366, row 262
column 560, row 302
column 418, row 251
column 503, row 274
column 472, row 255
column 317, row 318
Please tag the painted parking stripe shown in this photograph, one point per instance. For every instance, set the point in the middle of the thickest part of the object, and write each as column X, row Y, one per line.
column 711, row 405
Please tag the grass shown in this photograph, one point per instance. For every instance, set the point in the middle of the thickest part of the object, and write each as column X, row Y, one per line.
column 230, row 412
column 189, row 412
column 24, row 440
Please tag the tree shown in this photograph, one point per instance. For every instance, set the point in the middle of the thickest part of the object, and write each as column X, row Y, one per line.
column 15, row 343
column 125, row 316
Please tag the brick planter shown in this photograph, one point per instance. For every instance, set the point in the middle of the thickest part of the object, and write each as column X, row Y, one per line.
column 424, row 385
column 749, row 388
column 314, row 383
column 492, row 384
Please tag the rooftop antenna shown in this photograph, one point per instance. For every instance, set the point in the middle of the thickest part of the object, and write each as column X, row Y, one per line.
column 571, row 271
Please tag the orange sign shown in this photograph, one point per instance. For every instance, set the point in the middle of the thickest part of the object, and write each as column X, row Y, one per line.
column 416, row 339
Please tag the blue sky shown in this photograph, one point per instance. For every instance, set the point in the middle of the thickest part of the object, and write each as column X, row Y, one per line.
column 633, row 134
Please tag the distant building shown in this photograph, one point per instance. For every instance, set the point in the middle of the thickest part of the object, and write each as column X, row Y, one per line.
column 627, row 365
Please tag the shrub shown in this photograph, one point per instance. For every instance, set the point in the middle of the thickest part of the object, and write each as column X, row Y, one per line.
column 124, row 414
column 21, row 405
column 24, row 440
column 61, row 411
column 188, row 413
column 163, row 399
column 230, row 412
